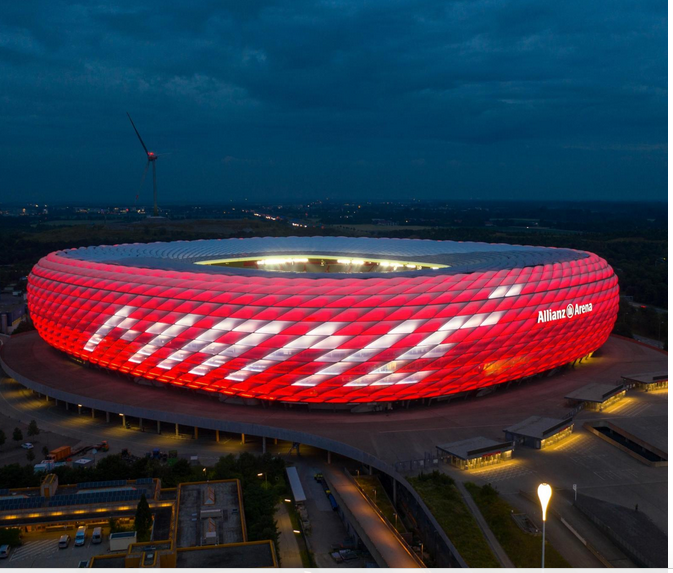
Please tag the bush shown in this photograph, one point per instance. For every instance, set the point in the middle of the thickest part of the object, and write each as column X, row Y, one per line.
column 10, row 536
column 33, row 430
column 446, row 503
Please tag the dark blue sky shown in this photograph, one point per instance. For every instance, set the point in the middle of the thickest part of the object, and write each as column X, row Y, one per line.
column 372, row 100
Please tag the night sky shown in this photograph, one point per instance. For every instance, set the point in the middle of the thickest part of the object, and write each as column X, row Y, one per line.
column 376, row 100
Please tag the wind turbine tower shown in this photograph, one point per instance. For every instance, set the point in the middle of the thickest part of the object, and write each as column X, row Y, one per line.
column 151, row 158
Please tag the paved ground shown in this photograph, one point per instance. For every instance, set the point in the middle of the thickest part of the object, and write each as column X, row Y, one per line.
column 41, row 550
column 599, row 469
column 287, row 542
column 327, row 529
column 390, row 548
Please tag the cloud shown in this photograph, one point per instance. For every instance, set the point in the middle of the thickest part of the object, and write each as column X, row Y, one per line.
column 322, row 85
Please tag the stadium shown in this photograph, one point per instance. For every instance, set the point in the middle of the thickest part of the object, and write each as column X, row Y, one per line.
column 324, row 319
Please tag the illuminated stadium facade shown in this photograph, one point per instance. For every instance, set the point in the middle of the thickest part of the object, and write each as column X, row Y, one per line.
column 325, row 319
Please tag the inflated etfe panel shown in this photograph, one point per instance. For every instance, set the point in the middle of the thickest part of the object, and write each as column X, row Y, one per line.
column 325, row 319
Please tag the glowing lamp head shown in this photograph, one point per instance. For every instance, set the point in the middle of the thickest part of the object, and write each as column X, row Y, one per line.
column 544, row 493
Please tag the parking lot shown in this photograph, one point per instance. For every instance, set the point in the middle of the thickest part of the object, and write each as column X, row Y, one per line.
column 40, row 549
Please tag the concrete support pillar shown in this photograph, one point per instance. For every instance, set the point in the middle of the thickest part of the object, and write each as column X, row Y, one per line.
column 93, row 413
column 46, row 398
column 329, row 457
column 79, row 409
column 140, row 424
column 275, row 441
column 217, row 436
column 107, row 417
column 158, row 427
column 242, row 439
column 67, row 406
column 123, row 421
column 196, row 433
column 371, row 470
column 177, row 430
column 263, row 445
column 55, row 402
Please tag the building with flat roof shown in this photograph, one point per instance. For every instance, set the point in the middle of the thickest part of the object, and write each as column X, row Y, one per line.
column 201, row 522
column 207, row 529
column 475, row 452
column 597, row 396
column 647, row 381
column 539, row 432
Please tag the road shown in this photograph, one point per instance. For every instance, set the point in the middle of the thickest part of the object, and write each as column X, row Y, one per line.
column 287, row 542
column 391, row 549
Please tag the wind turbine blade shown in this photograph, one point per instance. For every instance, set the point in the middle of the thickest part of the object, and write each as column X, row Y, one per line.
column 142, row 181
column 136, row 130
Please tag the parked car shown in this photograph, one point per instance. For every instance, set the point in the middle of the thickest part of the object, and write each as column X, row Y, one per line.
column 80, row 536
column 97, row 536
column 27, row 446
column 64, row 541
column 5, row 551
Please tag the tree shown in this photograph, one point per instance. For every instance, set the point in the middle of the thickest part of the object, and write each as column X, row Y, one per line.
column 45, row 451
column 33, row 430
column 17, row 436
column 3, row 438
column 31, row 456
column 143, row 520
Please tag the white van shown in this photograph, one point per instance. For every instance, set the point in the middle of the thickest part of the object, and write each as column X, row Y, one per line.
column 80, row 537
column 97, row 535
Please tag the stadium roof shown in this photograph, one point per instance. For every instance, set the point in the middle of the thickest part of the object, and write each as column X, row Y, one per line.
column 456, row 257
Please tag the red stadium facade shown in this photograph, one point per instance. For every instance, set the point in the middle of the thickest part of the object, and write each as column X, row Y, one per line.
column 316, row 328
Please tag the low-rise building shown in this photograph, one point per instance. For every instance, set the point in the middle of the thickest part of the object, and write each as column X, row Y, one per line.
column 647, row 381
column 475, row 452
column 597, row 396
column 199, row 524
column 539, row 432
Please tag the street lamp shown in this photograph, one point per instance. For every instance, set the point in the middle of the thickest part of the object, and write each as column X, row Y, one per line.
column 544, row 493
column 259, row 475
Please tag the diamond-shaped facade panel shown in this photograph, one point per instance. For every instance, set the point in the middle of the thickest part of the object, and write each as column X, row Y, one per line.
column 325, row 319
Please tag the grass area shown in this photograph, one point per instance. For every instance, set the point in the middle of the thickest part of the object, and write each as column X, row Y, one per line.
column 524, row 550
column 374, row 491
column 447, row 505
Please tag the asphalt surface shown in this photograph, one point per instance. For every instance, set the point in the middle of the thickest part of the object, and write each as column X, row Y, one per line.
column 393, row 552
column 599, row 469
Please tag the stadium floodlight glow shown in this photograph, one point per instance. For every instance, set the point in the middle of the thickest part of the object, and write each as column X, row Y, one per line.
column 285, row 319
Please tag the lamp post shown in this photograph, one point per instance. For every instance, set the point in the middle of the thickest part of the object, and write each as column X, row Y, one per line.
column 544, row 493
column 263, row 474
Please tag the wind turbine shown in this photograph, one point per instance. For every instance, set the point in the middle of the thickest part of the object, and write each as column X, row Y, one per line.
column 151, row 158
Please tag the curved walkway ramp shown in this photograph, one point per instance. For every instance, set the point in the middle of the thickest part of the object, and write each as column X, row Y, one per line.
column 387, row 549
